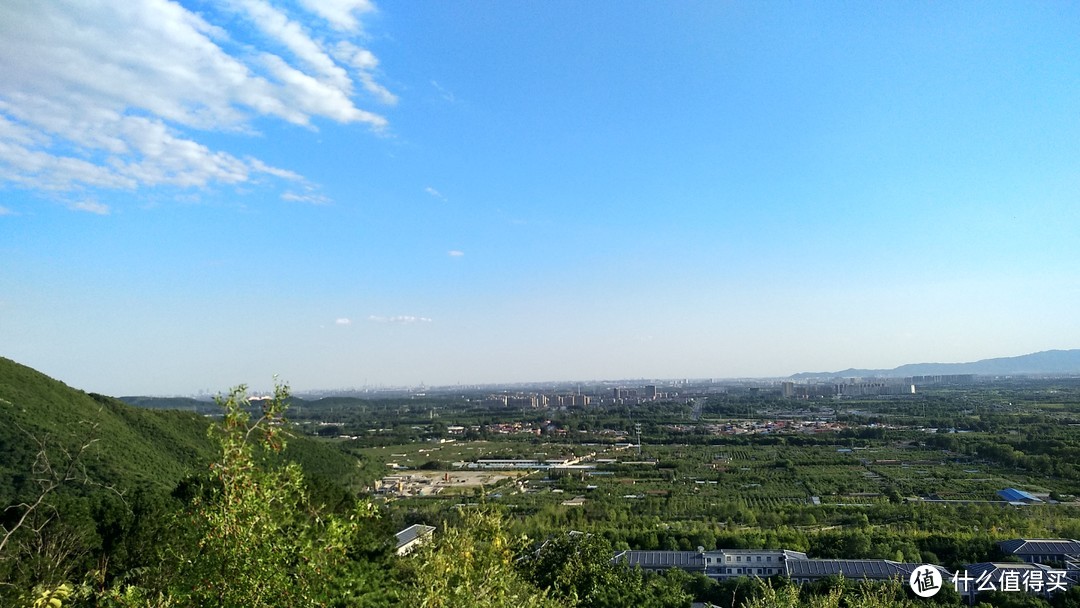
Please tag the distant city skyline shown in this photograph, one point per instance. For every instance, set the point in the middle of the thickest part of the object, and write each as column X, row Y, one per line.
column 194, row 196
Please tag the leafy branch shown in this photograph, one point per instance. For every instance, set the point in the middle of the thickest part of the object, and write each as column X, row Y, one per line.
column 49, row 475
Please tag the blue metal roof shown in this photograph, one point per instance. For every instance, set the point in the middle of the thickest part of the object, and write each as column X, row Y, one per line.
column 1014, row 495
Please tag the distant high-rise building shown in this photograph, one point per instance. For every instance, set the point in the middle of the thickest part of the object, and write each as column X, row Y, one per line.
column 787, row 389
column 650, row 391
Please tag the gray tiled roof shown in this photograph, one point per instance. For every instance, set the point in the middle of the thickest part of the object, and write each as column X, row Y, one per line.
column 850, row 568
column 686, row 560
column 411, row 533
column 1040, row 546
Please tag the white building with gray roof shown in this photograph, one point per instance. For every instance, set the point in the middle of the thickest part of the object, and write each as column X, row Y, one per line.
column 723, row 564
column 412, row 537
column 1043, row 550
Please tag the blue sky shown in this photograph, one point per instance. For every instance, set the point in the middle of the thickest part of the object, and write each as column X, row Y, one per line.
column 201, row 194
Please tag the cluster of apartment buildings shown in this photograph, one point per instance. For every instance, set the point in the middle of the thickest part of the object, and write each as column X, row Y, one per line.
column 807, row 389
column 858, row 387
column 623, row 396
column 536, row 400
column 761, row 427
column 618, row 395
column 791, row 390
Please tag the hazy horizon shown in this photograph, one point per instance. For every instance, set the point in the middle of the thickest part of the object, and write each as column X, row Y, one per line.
column 194, row 196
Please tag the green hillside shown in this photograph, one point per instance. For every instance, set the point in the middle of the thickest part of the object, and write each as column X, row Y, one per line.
column 133, row 446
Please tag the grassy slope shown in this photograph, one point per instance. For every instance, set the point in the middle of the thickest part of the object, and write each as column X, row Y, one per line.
column 134, row 446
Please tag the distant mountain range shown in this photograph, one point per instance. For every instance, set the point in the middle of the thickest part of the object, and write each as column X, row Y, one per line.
column 1047, row 362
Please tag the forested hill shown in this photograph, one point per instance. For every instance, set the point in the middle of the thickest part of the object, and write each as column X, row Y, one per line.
column 131, row 446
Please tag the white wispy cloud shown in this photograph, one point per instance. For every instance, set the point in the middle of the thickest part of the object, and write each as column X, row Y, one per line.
column 444, row 93
column 343, row 321
column 310, row 198
column 340, row 14
column 106, row 94
column 454, row 253
column 435, row 193
column 91, row 207
column 365, row 63
column 5, row 211
column 400, row 319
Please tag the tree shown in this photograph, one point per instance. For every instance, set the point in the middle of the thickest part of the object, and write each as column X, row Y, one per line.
column 471, row 565
column 578, row 570
column 258, row 541
column 46, row 536
column 572, row 567
column 786, row 595
column 838, row 592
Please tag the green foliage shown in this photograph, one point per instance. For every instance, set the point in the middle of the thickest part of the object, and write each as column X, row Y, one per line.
column 132, row 446
column 259, row 540
column 999, row 599
column 842, row 594
column 91, row 520
column 51, row 597
column 471, row 565
column 768, row 595
column 635, row 588
column 577, row 569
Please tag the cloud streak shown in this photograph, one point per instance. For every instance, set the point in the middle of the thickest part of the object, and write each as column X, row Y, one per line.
column 399, row 319
column 309, row 198
column 444, row 93
column 91, row 207
column 115, row 95
column 340, row 13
